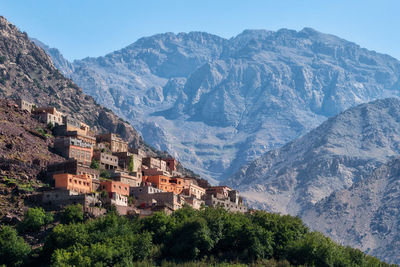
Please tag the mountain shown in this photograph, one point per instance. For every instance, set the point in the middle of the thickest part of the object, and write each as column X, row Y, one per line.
column 27, row 72
column 366, row 215
column 217, row 104
column 343, row 150
column 58, row 59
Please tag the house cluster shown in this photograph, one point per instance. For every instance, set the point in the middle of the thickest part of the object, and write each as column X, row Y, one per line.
column 101, row 170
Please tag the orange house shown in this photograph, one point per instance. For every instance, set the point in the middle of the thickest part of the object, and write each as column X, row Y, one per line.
column 165, row 183
column 179, row 184
column 81, row 183
column 115, row 187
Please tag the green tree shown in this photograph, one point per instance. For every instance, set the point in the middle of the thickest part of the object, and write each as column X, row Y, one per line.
column 34, row 219
column 105, row 174
column 13, row 249
column 314, row 249
column 72, row 214
column 191, row 240
column 95, row 164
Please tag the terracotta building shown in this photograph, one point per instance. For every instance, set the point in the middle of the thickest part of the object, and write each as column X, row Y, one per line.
column 116, row 143
column 115, row 187
column 72, row 148
column 72, row 167
column 171, row 164
column 165, row 183
column 78, row 183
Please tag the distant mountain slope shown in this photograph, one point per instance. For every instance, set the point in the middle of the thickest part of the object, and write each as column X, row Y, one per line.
column 366, row 215
column 341, row 151
column 27, row 72
column 218, row 104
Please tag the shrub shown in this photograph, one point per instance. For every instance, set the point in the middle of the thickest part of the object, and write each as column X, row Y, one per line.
column 95, row 164
column 34, row 219
column 72, row 214
column 13, row 249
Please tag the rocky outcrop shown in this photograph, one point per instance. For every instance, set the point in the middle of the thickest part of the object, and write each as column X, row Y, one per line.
column 364, row 216
column 26, row 71
column 341, row 151
column 217, row 104
column 327, row 177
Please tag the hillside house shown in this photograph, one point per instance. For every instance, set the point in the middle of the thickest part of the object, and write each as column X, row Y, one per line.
column 24, row 105
column 78, row 183
column 107, row 161
column 71, row 148
column 48, row 115
column 116, row 143
column 126, row 178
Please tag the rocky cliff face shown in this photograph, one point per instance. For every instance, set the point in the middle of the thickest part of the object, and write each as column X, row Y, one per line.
column 327, row 177
column 341, row 151
column 364, row 216
column 217, row 104
column 26, row 71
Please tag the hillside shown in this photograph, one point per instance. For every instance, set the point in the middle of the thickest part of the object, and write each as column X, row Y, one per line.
column 27, row 71
column 217, row 104
column 306, row 177
column 24, row 152
column 366, row 215
column 341, row 151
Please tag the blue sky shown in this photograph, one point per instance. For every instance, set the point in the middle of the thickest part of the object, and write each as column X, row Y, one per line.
column 81, row 28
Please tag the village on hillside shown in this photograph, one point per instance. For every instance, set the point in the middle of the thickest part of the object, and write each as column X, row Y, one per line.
column 101, row 171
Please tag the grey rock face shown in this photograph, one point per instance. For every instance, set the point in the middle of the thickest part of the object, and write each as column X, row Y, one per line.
column 366, row 215
column 220, row 103
column 337, row 178
column 341, row 151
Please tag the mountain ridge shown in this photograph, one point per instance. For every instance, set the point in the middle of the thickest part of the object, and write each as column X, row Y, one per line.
column 233, row 99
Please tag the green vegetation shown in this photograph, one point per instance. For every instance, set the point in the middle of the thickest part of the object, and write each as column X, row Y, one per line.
column 72, row 214
column 50, row 126
column 43, row 133
column 209, row 237
column 13, row 249
column 34, row 219
column 105, row 174
column 12, row 182
column 131, row 164
column 95, row 164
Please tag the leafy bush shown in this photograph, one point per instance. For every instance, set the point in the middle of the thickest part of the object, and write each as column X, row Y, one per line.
column 95, row 164
column 13, row 249
column 72, row 214
column 105, row 174
column 34, row 219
